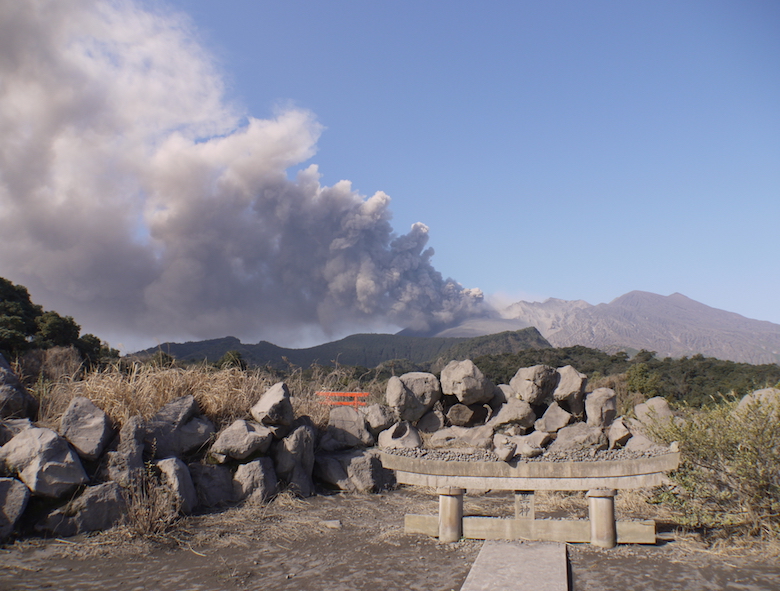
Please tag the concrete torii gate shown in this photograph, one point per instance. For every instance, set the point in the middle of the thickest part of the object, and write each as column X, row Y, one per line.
column 601, row 479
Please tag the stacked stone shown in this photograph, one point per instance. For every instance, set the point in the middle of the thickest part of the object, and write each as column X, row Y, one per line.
column 542, row 410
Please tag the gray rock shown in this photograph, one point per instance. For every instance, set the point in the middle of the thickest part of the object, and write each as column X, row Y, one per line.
column 514, row 412
column 432, row 421
column 501, row 394
column 535, row 385
column 294, row 460
column 176, row 476
column 126, row 464
column 176, row 430
column 640, row 443
column 97, row 508
column 379, row 417
column 553, row 419
column 346, row 428
column 424, row 386
column 465, row 381
column 655, row 410
column 399, row 436
column 240, row 440
column 15, row 401
column 86, row 427
column 504, row 447
column 255, row 481
column 579, row 436
column 13, row 501
column 536, row 439
column 274, row 407
column 601, row 407
column 352, row 471
column 11, row 427
column 213, row 484
column 460, row 415
column 402, row 400
column 570, row 390
column 618, row 433
column 478, row 437
column 44, row 462
column 768, row 398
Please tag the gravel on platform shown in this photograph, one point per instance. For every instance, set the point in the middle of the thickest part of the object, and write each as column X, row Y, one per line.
column 482, row 455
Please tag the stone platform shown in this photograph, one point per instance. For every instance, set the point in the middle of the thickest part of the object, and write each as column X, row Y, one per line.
column 518, row 566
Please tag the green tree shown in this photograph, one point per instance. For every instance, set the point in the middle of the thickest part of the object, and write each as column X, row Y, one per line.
column 231, row 359
column 640, row 378
column 56, row 331
column 18, row 317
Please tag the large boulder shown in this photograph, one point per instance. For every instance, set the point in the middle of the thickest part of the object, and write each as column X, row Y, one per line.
column 352, row 471
column 465, row 381
column 86, row 427
column 553, row 419
column 97, row 508
column 177, row 430
column 577, row 437
column 460, row 415
column 570, row 391
column 402, row 435
column 346, row 428
column 477, row 437
column 15, row 401
column 431, row 421
column 256, row 481
column 9, row 428
column 379, row 417
column 240, row 440
column 213, row 484
column 766, row 398
column 402, row 400
column 294, row 460
column 44, row 462
column 274, row 408
column 601, row 407
column 514, row 412
column 618, row 433
column 424, row 386
column 13, row 501
column 535, row 385
column 126, row 464
column 655, row 410
column 175, row 475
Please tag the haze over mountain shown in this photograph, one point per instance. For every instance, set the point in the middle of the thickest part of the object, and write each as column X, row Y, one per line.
column 673, row 326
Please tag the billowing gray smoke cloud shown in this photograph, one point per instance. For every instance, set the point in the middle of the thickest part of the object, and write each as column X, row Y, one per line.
column 133, row 197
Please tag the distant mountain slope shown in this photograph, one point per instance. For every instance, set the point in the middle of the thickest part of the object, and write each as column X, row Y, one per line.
column 673, row 326
column 367, row 350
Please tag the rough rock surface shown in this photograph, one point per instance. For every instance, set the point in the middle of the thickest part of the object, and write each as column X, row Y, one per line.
column 274, row 407
column 44, row 462
column 460, row 415
column 765, row 397
column 15, row 401
column 294, row 459
column 601, row 407
column 176, row 430
column 424, row 386
column 255, row 481
column 347, row 428
column 176, row 476
column 379, row 417
column 126, row 463
column 514, row 412
column 97, row 508
column 577, row 437
column 432, row 421
column 654, row 410
column 464, row 380
column 86, row 427
column 240, row 440
column 352, row 471
column 403, row 401
column 478, row 437
column 618, row 433
column 9, row 428
column 535, row 385
column 213, row 484
column 553, row 419
column 13, row 501
column 400, row 435
column 570, row 390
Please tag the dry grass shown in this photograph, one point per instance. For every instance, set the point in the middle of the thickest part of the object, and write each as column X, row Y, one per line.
column 152, row 509
column 223, row 395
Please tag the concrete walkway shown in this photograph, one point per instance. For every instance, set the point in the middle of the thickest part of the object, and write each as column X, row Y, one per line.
column 519, row 566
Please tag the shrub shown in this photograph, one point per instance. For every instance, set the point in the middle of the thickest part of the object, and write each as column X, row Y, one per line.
column 730, row 471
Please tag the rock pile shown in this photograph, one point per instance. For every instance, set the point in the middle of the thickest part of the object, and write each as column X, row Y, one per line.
column 82, row 476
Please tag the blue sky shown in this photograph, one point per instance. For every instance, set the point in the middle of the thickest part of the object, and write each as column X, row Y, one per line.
column 555, row 149
column 176, row 166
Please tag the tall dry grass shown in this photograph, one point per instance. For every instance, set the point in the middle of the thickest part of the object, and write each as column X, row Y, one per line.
column 223, row 395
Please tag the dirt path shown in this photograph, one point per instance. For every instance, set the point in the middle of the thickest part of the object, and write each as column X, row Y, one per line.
column 348, row 542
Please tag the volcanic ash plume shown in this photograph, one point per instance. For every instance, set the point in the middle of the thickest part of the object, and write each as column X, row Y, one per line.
column 133, row 197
